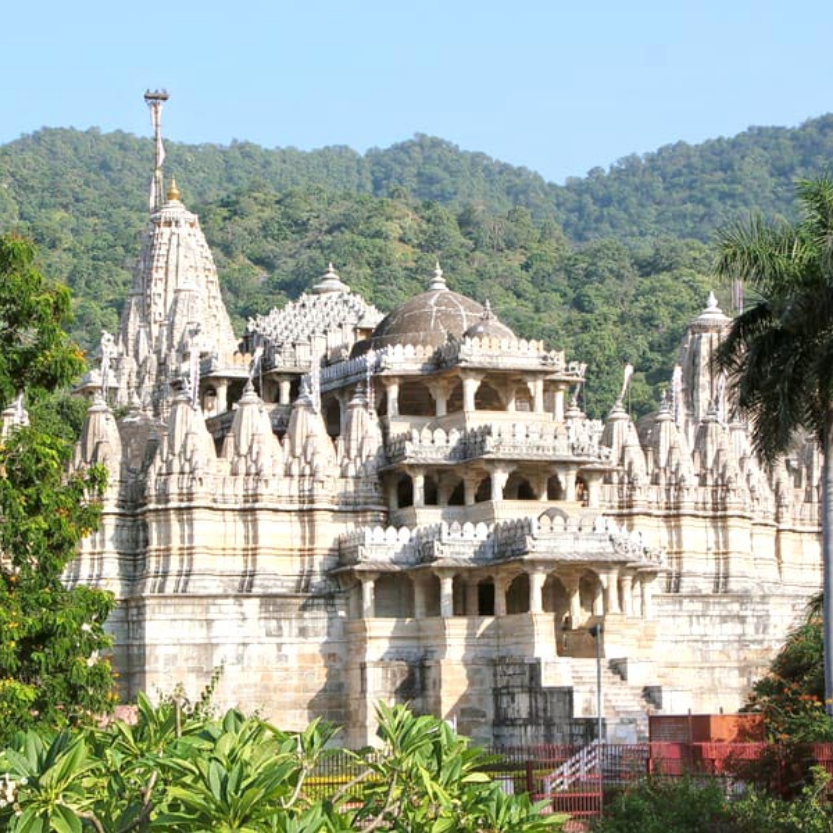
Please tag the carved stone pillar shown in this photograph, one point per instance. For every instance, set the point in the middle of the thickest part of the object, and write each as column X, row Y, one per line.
column 420, row 601
column 392, row 389
column 558, row 409
column 446, row 593
column 390, row 493
column 567, row 478
column 571, row 585
column 538, row 395
column 501, row 586
column 368, row 581
column 536, row 585
column 343, row 402
column 499, row 476
column 593, row 481
column 439, row 390
column 445, row 486
column 471, row 383
column 470, row 485
column 472, row 598
column 222, row 395
column 647, row 582
column 611, row 591
column 627, row 594
column 284, row 390
column 418, row 477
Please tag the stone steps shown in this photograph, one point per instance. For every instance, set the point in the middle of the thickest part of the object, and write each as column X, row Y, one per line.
column 624, row 708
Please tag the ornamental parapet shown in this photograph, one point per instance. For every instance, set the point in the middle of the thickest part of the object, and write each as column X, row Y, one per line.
column 500, row 352
column 554, row 536
column 350, row 371
column 502, row 441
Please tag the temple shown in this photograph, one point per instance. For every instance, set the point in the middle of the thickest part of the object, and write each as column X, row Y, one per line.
column 342, row 506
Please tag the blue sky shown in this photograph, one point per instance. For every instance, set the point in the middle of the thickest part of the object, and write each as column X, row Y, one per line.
column 559, row 87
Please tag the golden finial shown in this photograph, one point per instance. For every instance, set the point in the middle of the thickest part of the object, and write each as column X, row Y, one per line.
column 173, row 191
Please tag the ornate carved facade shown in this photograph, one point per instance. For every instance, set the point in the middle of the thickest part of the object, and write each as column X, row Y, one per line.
column 348, row 507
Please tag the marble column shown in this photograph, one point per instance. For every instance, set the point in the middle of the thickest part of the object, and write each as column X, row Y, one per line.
column 536, row 586
column 222, row 395
column 627, row 594
column 392, row 388
column 598, row 599
column 610, row 582
column 538, row 395
column 499, row 477
column 472, row 598
column 446, row 593
column 284, row 390
column 420, row 601
column 470, row 385
column 558, row 411
column 647, row 582
column 501, row 586
column 439, row 390
column 418, row 477
column 470, row 489
column 571, row 585
column 368, row 581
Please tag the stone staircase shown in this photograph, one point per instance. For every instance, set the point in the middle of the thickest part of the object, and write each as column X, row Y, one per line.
column 624, row 707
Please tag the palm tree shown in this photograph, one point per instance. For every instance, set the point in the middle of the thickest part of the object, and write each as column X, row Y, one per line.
column 779, row 351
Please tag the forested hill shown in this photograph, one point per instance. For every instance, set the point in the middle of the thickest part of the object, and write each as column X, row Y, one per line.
column 680, row 190
column 609, row 267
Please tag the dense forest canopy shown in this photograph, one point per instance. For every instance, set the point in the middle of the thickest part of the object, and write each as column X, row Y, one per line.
column 609, row 267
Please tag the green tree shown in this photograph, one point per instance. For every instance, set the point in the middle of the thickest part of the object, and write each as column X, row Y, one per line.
column 779, row 351
column 178, row 769
column 790, row 696
column 53, row 667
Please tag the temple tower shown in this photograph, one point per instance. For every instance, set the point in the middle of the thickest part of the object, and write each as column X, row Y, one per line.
column 175, row 314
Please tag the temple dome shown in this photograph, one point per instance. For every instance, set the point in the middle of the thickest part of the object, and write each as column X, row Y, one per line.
column 430, row 317
column 489, row 327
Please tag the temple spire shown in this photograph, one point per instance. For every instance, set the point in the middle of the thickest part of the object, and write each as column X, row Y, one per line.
column 437, row 280
column 154, row 100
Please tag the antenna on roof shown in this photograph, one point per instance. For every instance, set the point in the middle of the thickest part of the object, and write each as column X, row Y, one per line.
column 154, row 100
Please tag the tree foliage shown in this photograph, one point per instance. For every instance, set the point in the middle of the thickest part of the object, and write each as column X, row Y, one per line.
column 177, row 769
column 790, row 696
column 779, row 352
column 52, row 666
column 606, row 267
column 701, row 805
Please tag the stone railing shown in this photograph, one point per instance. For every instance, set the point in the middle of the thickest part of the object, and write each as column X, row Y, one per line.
column 500, row 440
column 500, row 352
column 553, row 535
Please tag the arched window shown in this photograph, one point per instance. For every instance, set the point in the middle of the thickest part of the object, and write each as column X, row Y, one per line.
column 484, row 490
column 518, row 488
column 404, row 492
column 555, row 491
column 487, row 398
column 455, row 398
column 416, row 400
column 517, row 596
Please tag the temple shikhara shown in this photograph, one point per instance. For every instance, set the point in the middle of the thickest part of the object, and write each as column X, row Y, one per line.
column 340, row 506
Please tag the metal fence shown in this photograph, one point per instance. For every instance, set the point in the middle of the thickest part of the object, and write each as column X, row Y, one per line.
column 574, row 778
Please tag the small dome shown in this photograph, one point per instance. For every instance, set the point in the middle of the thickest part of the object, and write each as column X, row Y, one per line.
column 429, row 318
column 489, row 327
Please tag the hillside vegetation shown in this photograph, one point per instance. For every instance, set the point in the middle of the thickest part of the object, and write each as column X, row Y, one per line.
column 609, row 267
